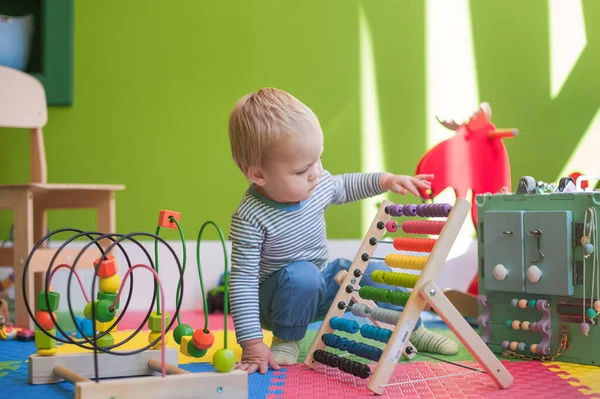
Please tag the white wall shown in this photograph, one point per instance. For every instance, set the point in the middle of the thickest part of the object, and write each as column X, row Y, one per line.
column 459, row 270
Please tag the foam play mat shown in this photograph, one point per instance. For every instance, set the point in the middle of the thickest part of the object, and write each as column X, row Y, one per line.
column 531, row 378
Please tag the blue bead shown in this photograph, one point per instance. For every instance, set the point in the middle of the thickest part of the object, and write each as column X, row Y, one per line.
column 531, row 303
column 590, row 313
column 514, row 302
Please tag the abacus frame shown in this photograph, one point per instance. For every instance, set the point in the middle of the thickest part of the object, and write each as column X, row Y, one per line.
column 425, row 292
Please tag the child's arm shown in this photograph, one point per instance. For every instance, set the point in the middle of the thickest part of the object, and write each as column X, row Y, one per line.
column 351, row 187
column 246, row 242
column 243, row 294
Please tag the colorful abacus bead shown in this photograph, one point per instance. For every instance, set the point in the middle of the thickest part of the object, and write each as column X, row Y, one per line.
column 409, row 210
column 349, row 326
column 395, row 210
column 391, row 226
column 429, row 227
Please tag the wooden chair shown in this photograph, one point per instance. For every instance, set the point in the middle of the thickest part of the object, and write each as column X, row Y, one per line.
column 23, row 105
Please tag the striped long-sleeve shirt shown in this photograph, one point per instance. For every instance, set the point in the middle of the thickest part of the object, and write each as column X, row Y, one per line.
column 267, row 236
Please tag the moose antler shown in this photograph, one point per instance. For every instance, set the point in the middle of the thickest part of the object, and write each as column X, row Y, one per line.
column 448, row 124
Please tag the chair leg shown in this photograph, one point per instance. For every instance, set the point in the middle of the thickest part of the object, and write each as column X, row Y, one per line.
column 23, row 244
column 40, row 225
column 107, row 217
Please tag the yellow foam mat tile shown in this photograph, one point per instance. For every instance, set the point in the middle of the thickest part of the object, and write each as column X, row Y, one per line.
column 141, row 340
column 583, row 377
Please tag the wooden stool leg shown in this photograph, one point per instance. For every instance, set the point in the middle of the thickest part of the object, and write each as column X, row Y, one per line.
column 23, row 244
column 40, row 227
column 107, row 217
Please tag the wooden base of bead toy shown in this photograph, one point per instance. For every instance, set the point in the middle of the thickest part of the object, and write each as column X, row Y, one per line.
column 78, row 368
column 425, row 292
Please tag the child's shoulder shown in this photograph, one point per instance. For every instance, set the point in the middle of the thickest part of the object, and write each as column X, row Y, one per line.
column 249, row 210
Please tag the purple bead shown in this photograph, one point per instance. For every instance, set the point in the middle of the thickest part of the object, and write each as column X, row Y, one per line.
column 395, row 210
column 446, row 209
column 505, row 344
column 409, row 210
column 420, row 209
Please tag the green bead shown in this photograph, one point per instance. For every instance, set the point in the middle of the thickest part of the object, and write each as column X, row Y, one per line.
column 53, row 301
column 590, row 313
column 42, row 341
column 87, row 311
column 181, row 331
column 110, row 297
column 154, row 321
column 224, row 360
column 508, row 323
column 532, row 303
column 105, row 341
column 195, row 352
column 103, row 311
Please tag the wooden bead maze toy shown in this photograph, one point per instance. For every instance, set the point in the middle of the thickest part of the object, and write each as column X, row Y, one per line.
column 539, row 274
column 103, row 359
column 425, row 291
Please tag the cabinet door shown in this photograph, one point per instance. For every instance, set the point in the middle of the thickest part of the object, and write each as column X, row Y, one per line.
column 554, row 274
column 503, row 251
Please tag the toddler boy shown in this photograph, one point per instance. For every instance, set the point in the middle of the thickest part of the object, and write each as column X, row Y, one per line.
column 281, row 279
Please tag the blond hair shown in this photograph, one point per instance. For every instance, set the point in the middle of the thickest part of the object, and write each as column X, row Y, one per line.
column 260, row 118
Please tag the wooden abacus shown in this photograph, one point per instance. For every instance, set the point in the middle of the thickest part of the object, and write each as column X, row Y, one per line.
column 424, row 292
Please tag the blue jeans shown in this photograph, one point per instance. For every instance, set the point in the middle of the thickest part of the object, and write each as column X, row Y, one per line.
column 299, row 294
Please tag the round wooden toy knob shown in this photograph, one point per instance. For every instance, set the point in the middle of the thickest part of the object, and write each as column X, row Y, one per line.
column 534, row 274
column 500, row 272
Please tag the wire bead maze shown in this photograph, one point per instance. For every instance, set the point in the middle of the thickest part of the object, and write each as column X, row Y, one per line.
column 102, row 318
column 440, row 224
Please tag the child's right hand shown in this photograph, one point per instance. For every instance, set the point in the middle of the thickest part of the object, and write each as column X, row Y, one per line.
column 256, row 356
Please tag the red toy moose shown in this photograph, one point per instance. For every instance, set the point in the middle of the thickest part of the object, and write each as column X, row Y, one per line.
column 474, row 158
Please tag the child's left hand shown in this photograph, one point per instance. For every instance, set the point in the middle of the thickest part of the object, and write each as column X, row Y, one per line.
column 401, row 184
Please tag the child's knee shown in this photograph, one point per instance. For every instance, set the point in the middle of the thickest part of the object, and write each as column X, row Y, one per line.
column 305, row 279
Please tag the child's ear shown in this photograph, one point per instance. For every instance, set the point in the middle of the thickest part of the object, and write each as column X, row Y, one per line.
column 256, row 175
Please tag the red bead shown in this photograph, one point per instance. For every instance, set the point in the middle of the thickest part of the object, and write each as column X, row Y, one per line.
column 45, row 320
column 203, row 340
column 391, row 226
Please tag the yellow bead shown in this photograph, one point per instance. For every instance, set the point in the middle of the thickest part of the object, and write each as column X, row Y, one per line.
column 516, row 325
column 525, row 325
column 183, row 347
column 513, row 345
column 105, row 326
column 523, row 303
column 154, row 336
column 110, row 284
column 533, row 348
column 47, row 352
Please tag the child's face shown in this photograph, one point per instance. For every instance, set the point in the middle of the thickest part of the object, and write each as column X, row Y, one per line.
column 293, row 168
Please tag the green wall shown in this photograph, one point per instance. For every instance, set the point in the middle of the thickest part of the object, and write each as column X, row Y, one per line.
column 154, row 87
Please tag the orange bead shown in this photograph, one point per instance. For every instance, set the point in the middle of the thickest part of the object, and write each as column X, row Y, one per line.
column 163, row 219
column 203, row 340
column 45, row 320
column 108, row 267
